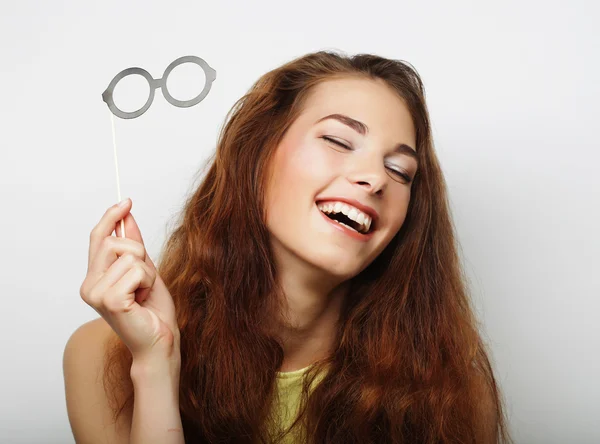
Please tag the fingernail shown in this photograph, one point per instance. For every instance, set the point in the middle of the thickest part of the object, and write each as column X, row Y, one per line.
column 123, row 202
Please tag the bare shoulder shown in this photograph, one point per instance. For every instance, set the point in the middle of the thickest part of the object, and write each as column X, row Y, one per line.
column 88, row 408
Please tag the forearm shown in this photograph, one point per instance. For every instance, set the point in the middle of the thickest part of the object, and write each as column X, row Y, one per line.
column 156, row 417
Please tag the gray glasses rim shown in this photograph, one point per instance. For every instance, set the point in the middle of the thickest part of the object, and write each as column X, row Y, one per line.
column 210, row 74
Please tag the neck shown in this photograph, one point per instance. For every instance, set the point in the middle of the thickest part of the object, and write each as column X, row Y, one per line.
column 311, row 310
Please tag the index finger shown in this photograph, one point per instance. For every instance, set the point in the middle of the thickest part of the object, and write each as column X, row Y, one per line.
column 106, row 225
column 133, row 232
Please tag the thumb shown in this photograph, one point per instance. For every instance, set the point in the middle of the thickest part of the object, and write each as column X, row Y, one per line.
column 132, row 231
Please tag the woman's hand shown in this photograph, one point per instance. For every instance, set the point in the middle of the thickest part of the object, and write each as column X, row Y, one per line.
column 122, row 285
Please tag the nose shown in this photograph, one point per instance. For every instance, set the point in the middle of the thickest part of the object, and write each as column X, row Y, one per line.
column 369, row 174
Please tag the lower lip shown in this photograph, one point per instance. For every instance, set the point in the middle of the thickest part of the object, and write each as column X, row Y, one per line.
column 352, row 233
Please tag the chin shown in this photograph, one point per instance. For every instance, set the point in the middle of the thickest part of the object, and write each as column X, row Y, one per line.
column 337, row 270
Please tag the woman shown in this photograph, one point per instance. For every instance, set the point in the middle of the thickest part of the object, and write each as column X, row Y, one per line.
column 312, row 291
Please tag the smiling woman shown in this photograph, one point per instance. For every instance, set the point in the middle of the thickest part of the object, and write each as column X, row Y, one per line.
column 318, row 291
column 354, row 159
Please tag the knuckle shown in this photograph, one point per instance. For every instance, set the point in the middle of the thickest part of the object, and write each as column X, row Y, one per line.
column 93, row 298
column 129, row 259
column 140, row 250
column 139, row 271
column 83, row 290
column 94, row 233
column 108, row 243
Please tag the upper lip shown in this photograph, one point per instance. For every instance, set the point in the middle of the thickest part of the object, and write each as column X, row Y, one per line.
column 362, row 207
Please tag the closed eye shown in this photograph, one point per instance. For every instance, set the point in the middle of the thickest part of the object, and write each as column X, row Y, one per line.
column 329, row 139
column 396, row 172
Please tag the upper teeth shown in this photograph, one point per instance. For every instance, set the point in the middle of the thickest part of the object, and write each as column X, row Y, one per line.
column 353, row 213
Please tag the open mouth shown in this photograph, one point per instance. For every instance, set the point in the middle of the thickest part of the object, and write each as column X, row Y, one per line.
column 343, row 219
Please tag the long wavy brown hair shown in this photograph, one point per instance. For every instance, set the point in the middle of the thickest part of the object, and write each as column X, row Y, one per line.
column 409, row 364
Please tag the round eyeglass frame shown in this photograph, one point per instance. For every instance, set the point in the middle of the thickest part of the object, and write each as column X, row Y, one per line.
column 161, row 83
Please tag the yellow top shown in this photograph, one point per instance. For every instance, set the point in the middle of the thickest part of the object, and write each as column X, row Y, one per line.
column 289, row 386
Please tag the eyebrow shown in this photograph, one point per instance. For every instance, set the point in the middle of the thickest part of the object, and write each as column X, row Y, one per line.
column 363, row 129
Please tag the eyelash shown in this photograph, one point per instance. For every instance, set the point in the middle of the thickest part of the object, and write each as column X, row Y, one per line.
column 328, row 139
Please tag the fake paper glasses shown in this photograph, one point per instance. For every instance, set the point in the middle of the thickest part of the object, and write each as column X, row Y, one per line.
column 209, row 72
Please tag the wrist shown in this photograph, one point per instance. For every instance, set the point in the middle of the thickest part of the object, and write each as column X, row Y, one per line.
column 155, row 367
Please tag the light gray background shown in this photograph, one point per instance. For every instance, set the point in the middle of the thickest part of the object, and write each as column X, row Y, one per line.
column 513, row 93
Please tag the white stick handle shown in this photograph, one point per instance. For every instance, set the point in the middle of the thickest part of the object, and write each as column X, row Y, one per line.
column 112, row 124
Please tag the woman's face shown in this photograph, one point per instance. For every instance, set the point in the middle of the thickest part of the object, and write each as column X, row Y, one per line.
column 371, row 177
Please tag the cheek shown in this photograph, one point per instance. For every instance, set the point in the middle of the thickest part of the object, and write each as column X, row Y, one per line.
column 312, row 159
column 300, row 172
column 304, row 168
column 395, row 219
column 290, row 186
